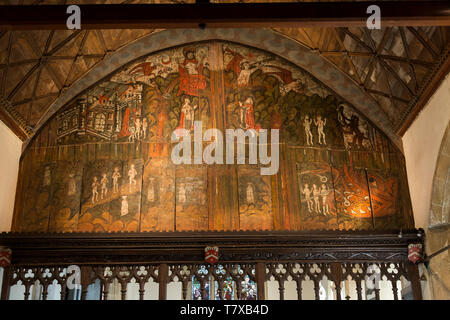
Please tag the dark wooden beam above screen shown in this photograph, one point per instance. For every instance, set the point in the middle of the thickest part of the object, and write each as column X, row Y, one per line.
column 188, row 247
column 215, row 15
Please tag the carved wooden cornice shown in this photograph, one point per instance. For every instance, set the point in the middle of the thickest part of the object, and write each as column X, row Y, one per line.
column 188, row 247
column 431, row 83
column 10, row 117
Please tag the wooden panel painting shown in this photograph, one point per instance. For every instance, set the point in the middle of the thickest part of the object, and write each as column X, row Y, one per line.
column 158, row 196
column 191, row 198
column 111, row 196
column 317, row 200
column 352, row 198
column 85, row 169
column 255, row 204
column 384, row 193
column 38, row 197
column 66, row 191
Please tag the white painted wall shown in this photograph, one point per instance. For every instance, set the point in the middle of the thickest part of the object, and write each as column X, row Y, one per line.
column 421, row 144
column 10, row 149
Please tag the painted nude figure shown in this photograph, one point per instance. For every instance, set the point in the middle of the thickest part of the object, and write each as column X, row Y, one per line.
column 132, row 173
column 320, row 126
column 316, row 195
column 115, row 177
column 307, row 124
column 307, row 192
column 144, row 128
column 137, row 132
column 94, row 190
column 324, row 192
column 104, row 187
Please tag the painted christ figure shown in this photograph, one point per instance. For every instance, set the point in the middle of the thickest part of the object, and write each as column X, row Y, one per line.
column 191, row 74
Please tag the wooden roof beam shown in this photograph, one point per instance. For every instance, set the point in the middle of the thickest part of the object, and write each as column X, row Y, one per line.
column 224, row 15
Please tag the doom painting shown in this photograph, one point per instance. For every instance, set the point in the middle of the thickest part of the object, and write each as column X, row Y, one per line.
column 317, row 202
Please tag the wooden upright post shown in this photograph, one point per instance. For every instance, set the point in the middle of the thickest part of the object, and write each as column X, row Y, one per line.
column 7, row 271
column 336, row 273
column 163, row 274
column 85, row 280
column 414, row 278
column 260, row 273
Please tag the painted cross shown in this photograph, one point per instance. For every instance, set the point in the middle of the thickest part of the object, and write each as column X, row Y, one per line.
column 212, row 254
column 414, row 252
column 5, row 257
